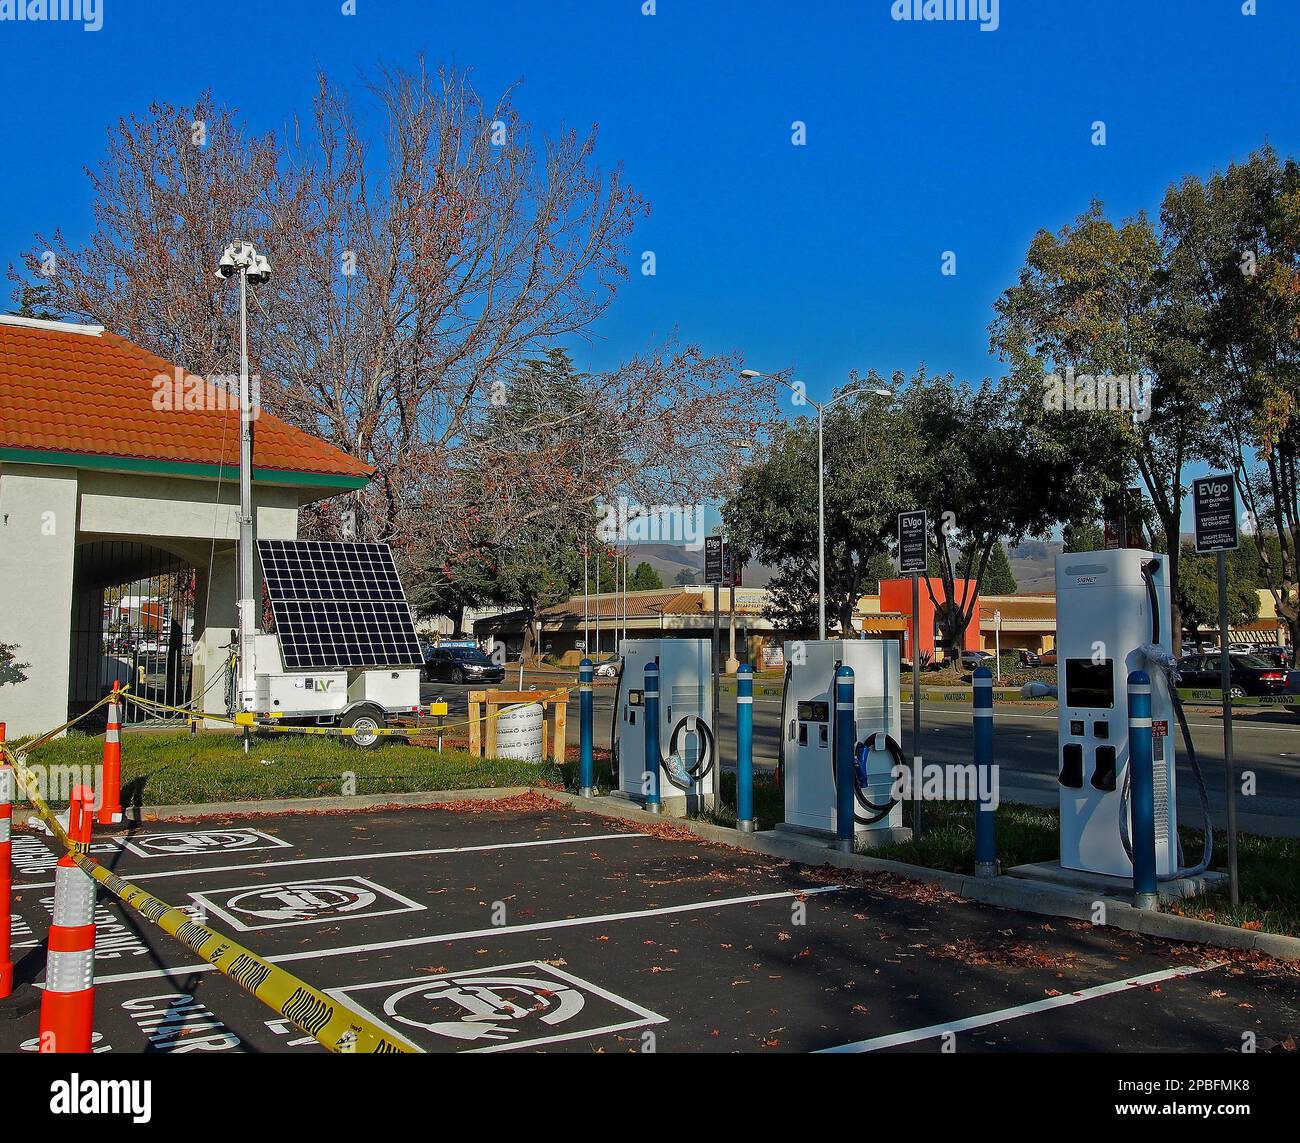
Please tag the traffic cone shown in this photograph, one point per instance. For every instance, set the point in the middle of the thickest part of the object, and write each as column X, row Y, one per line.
column 110, row 781
column 68, row 1003
column 6, row 869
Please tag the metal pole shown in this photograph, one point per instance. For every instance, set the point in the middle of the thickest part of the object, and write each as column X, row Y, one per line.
column 916, row 706
column 845, row 732
column 586, row 762
column 586, row 604
column 247, row 614
column 986, row 845
column 1143, row 783
column 745, row 749
column 598, row 605
column 1229, row 775
column 821, row 532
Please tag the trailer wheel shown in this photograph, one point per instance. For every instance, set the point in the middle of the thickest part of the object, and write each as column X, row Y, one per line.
column 365, row 720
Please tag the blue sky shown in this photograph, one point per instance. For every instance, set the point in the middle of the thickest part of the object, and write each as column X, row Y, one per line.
column 921, row 137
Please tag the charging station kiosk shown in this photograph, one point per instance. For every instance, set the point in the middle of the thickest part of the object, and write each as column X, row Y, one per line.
column 807, row 736
column 686, row 724
column 1110, row 605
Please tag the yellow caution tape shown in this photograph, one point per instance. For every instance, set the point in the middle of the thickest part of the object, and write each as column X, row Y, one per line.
column 331, row 1023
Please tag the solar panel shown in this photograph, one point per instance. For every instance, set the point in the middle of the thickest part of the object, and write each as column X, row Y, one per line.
column 338, row 605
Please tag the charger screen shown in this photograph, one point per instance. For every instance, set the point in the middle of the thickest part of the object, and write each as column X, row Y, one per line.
column 1089, row 684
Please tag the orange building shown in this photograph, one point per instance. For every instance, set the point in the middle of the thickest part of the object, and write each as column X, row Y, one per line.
column 896, row 596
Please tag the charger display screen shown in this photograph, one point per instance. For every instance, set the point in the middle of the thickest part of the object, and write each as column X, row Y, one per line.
column 1089, row 684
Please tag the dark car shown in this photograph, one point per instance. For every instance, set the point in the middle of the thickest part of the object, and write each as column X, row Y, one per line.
column 461, row 665
column 1027, row 658
column 1251, row 674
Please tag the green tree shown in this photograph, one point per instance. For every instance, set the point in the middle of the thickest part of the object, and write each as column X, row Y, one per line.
column 1082, row 536
column 986, row 474
column 1199, row 589
column 772, row 516
column 645, row 578
column 1101, row 301
column 1235, row 237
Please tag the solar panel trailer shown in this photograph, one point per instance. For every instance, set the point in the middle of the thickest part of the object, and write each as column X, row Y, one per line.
column 344, row 651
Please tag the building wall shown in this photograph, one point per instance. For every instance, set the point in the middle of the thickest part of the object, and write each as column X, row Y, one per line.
column 38, row 532
column 45, row 511
column 896, row 595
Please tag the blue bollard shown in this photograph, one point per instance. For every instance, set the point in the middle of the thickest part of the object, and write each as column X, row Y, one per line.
column 745, row 749
column 1142, row 796
column 846, row 729
column 586, row 758
column 986, row 841
column 651, row 728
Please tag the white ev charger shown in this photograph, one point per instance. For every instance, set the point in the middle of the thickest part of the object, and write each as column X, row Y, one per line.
column 807, row 744
column 687, row 740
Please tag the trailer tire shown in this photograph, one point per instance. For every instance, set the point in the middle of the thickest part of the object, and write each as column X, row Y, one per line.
column 365, row 720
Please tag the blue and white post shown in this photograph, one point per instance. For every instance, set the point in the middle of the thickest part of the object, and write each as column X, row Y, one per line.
column 586, row 756
column 745, row 749
column 650, row 780
column 845, row 732
column 986, row 841
column 1142, row 792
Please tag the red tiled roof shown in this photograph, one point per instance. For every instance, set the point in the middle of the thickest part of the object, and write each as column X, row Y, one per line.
column 67, row 391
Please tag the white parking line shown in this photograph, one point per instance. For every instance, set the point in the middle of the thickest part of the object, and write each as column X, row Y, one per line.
column 355, row 857
column 897, row 1039
column 490, row 931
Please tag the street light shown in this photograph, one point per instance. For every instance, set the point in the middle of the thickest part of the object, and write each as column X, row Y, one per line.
column 242, row 259
column 888, row 394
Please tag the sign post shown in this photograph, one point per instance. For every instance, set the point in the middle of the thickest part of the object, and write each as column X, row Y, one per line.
column 912, row 530
column 714, row 560
column 1214, row 505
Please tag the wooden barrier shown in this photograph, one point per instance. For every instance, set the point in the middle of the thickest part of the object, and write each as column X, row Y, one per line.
column 485, row 705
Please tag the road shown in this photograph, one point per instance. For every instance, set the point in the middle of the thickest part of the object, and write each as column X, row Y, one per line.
column 1266, row 745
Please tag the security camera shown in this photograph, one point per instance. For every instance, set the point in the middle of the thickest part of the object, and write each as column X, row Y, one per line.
column 227, row 267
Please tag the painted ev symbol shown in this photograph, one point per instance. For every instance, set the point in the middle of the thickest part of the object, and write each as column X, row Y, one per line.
column 301, row 902
column 483, row 1007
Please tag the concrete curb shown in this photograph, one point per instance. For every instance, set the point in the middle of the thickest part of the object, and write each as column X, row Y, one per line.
column 1008, row 892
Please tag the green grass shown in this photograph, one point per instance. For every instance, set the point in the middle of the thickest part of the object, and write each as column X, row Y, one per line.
column 173, row 768
column 1268, row 867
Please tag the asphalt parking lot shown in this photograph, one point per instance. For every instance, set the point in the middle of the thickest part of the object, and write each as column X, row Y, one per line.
column 524, row 925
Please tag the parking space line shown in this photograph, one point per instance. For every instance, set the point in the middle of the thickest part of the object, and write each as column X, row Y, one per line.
column 897, row 1039
column 490, row 931
column 356, row 857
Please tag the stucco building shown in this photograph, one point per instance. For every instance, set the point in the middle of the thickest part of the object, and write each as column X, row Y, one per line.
column 116, row 468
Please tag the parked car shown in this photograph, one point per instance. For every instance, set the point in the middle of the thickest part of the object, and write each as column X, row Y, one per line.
column 1048, row 659
column 1250, row 674
column 1278, row 656
column 460, row 665
column 1027, row 658
column 970, row 660
column 609, row 669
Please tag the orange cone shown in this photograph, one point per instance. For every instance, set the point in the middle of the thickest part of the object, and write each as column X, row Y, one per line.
column 110, row 781
column 68, row 1003
column 6, row 869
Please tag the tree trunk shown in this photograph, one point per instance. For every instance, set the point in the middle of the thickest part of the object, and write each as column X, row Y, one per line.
column 458, row 620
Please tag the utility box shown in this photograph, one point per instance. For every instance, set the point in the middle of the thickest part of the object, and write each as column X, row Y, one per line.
column 295, row 694
column 808, row 735
column 685, row 701
column 397, row 690
column 1106, row 612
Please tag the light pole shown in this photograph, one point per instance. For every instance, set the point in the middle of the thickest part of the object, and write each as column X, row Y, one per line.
column 821, row 477
column 733, row 664
column 242, row 259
